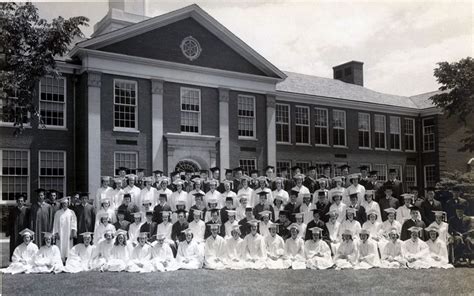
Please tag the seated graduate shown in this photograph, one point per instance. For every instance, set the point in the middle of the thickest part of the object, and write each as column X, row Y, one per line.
column 275, row 246
column 101, row 254
column 162, row 255
column 316, row 222
column 373, row 226
column 255, row 251
column 103, row 227
column 134, row 228
column 368, row 253
column 148, row 226
column 346, row 254
column 166, row 228
column 371, row 205
column 416, row 251
column 294, row 248
column 120, row 253
column 387, row 227
column 301, row 225
column 392, row 256
column 214, row 249
column 317, row 251
column 438, row 250
column 189, row 256
column 413, row 222
column 229, row 225
column 350, row 224
column 198, row 227
column 263, row 227
column 234, row 257
column 23, row 255
column 442, row 226
column 80, row 255
column 333, row 226
column 48, row 258
column 140, row 260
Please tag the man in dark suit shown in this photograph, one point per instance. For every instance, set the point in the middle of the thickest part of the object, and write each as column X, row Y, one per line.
column 163, row 206
column 149, row 226
column 397, row 186
column 228, row 177
column 310, row 180
column 238, row 172
column 244, row 225
column 85, row 213
column 414, row 213
column 18, row 219
column 177, row 234
column 283, row 223
column 455, row 200
column 459, row 225
column 287, row 183
column 323, row 205
column 429, row 205
column 364, row 177
column 374, row 184
column 121, row 222
column 214, row 220
column 316, row 222
column 387, row 201
column 292, row 207
column 360, row 214
column 263, row 206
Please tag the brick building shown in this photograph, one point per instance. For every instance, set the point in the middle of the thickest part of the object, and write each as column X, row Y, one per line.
column 180, row 90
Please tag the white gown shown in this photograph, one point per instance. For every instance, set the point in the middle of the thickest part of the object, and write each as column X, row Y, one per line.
column 368, row 255
column 100, row 230
column 191, row 253
column 162, row 258
column 214, row 252
column 119, row 259
column 64, row 222
column 418, row 250
column 392, row 256
column 141, row 255
column 101, row 255
column 353, row 226
column 294, row 251
column 373, row 206
column 333, row 229
column 79, row 258
column 276, row 253
column 22, row 259
column 341, row 211
column 255, row 252
column 311, row 248
column 234, row 255
column 346, row 248
column 47, row 260
column 439, row 254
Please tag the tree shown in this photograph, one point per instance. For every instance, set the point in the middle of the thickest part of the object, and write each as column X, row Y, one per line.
column 28, row 49
column 457, row 99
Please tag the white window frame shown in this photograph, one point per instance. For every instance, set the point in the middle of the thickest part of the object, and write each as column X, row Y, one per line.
column 64, row 106
column 399, row 169
column 384, row 131
column 254, row 117
column 424, row 134
column 125, row 152
column 303, row 164
column 125, row 129
column 319, row 167
column 425, row 174
column 245, row 166
column 399, row 133
column 368, row 131
column 414, row 175
column 414, row 134
column 379, row 167
column 336, row 168
column 12, row 124
column 322, row 127
column 50, row 176
column 338, row 128
column 282, row 123
column 303, row 125
column 277, row 168
column 11, row 202
column 181, row 90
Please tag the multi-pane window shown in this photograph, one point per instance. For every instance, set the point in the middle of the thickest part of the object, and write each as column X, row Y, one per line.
column 428, row 134
column 248, row 164
column 125, row 104
column 304, row 166
column 282, row 164
column 52, row 170
column 399, row 170
column 364, row 130
column 246, row 116
column 339, row 127
column 320, row 167
column 409, row 132
column 8, row 111
column 14, row 174
column 379, row 129
column 361, row 164
column 381, row 172
column 395, row 133
column 282, row 123
column 430, row 175
column 410, row 175
column 52, row 102
column 127, row 159
column 190, row 110
column 337, row 168
column 321, row 126
column 302, row 124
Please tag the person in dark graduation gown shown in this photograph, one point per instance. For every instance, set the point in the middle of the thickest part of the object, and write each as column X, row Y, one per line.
column 458, row 227
column 198, row 197
column 323, row 205
column 214, row 220
column 454, row 201
column 283, row 223
column 149, row 226
column 244, row 225
column 397, row 186
column 292, row 207
column 387, row 201
column 229, row 201
column 41, row 217
column 310, row 181
column 237, row 175
column 121, row 222
column 364, row 178
column 85, row 213
column 128, row 207
column 429, row 205
column 414, row 213
column 161, row 207
column 18, row 219
column 177, row 234
column 228, row 177
column 316, row 222
column 360, row 214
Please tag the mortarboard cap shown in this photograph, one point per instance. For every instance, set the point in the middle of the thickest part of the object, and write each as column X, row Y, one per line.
column 363, row 168
column 40, row 190
column 47, row 234
column 392, row 171
column 316, row 230
column 86, row 234
column 390, row 211
column 214, row 169
column 272, row 225
column 157, row 172
column 296, row 167
column 364, row 231
column 351, row 211
column 415, row 229
column 121, row 232
column 373, row 173
column 293, row 226
column 214, row 225
column 231, row 212
column 27, row 231
column 253, row 222
column 265, row 213
column 137, row 215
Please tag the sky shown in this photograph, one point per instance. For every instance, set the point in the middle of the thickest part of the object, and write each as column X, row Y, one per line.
column 399, row 42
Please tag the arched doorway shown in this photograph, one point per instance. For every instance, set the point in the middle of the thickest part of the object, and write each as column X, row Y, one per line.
column 187, row 164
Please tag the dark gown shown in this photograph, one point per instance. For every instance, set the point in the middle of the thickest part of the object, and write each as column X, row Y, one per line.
column 18, row 219
column 85, row 219
column 176, row 229
column 41, row 220
column 406, row 234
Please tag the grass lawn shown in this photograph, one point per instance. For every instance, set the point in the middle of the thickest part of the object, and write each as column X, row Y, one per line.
column 459, row 281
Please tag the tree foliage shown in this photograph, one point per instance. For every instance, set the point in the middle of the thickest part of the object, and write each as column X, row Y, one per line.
column 28, row 47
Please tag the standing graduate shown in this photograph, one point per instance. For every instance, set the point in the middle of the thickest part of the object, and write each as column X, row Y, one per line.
column 214, row 249
column 134, row 228
column 280, row 190
column 41, row 217
column 275, row 247
column 133, row 190
column 416, row 251
column 141, row 256
column 48, row 258
column 18, row 219
column 294, row 248
column 317, row 251
column 299, row 187
column 104, row 191
column 263, row 205
column 354, row 188
column 85, row 214
column 80, row 255
column 350, row 223
column 429, row 205
column 337, row 205
column 443, row 227
column 403, row 212
column 189, row 255
column 262, row 189
column 24, row 254
column 65, row 227
column 368, row 253
column 255, row 251
column 229, row 225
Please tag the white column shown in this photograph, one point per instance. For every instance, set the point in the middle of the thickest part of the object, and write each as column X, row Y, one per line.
column 271, row 131
column 224, row 145
column 157, row 124
column 93, row 131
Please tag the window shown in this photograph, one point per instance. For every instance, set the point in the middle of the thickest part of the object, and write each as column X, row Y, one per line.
column 304, row 166
column 381, row 172
column 282, row 164
column 367, row 165
column 52, row 102
column 190, row 110
column 409, row 131
column 126, row 159
column 125, row 105
column 248, row 164
column 410, row 175
column 302, row 124
column 395, row 133
column 320, row 167
column 282, row 123
column 379, row 127
column 399, row 169
column 339, row 127
column 364, row 130
column 8, row 110
column 430, row 175
column 15, row 173
column 246, row 116
column 337, row 168
column 321, row 126
column 428, row 135
column 52, row 170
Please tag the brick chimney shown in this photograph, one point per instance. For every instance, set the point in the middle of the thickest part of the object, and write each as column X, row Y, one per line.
column 350, row 72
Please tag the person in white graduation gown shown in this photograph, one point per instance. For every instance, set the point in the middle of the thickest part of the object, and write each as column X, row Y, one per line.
column 80, row 255
column 346, row 254
column 355, row 187
column 104, row 191
column 371, row 205
column 106, row 208
column 120, row 253
column 134, row 228
column 214, row 249
column 101, row 254
column 301, row 225
column 275, row 247
column 162, row 255
column 337, row 205
column 373, row 226
column 300, row 188
column 387, row 227
column 438, row 250
column 403, row 212
column 48, row 258
column 240, row 210
column 317, row 251
column 368, row 253
column 441, row 225
column 280, row 192
column 350, row 224
column 229, row 225
column 198, row 227
column 255, row 251
column 133, row 189
column 165, row 228
column 294, row 248
column 103, row 227
column 264, row 225
column 416, row 251
column 64, row 227
column 23, row 255
column 140, row 260
column 234, row 250
column 189, row 255
column 391, row 254
column 333, row 226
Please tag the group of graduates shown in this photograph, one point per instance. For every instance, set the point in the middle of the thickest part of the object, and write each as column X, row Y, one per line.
column 144, row 224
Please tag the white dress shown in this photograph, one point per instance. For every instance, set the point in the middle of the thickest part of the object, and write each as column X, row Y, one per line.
column 341, row 211
column 318, row 254
column 403, row 214
column 79, row 257
column 368, row 255
column 275, row 247
column 353, row 226
column 64, row 221
column 228, row 228
column 214, row 252
column 22, row 259
column 333, row 229
column 392, row 256
column 189, row 252
column 284, row 195
column 119, row 258
column 133, row 232
column 255, row 251
column 162, row 258
column 443, row 231
column 134, row 195
column 439, row 254
column 47, row 260
column 294, row 251
column 100, row 230
column 347, row 249
column 419, row 251
column 101, row 255
column 373, row 206
column 140, row 260
column 303, row 190
column 234, row 253
column 359, row 189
